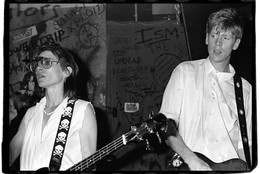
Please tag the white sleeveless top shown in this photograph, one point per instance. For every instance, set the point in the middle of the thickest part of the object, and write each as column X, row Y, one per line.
column 37, row 147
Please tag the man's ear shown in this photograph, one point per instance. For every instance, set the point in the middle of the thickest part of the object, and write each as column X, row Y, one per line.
column 206, row 40
column 236, row 44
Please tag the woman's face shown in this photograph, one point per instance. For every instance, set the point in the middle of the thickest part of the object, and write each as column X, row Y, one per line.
column 53, row 76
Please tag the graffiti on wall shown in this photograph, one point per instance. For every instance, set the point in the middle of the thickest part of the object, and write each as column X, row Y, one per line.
column 141, row 59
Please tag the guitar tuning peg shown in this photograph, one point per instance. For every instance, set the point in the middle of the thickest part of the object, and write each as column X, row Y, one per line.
column 151, row 115
column 148, row 146
column 158, row 137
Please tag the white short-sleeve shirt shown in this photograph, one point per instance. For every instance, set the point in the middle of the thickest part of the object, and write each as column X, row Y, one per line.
column 202, row 102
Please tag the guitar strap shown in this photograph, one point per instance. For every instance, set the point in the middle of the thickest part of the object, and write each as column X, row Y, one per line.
column 61, row 136
column 241, row 116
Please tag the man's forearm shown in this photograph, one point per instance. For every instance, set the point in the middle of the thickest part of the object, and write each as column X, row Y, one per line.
column 177, row 144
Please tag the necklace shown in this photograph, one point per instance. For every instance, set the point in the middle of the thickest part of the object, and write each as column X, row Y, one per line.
column 49, row 113
column 52, row 109
column 46, row 113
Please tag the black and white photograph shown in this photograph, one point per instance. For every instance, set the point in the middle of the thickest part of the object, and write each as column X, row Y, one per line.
column 117, row 86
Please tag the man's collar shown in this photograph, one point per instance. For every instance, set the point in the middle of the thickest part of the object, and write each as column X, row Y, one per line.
column 222, row 76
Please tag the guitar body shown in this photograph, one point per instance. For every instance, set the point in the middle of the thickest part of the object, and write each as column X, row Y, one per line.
column 235, row 164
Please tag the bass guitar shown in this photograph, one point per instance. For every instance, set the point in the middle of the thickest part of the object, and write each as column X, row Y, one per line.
column 235, row 164
column 136, row 133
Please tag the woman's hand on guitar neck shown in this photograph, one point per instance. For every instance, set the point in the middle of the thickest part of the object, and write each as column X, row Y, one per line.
column 195, row 163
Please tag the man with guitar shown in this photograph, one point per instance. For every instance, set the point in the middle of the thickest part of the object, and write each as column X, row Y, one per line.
column 200, row 98
column 60, row 130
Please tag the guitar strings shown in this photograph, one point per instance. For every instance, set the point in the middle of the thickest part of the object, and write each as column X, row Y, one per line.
column 95, row 157
column 85, row 163
column 110, row 147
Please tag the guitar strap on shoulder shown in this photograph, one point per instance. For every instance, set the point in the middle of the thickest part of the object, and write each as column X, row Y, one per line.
column 241, row 116
column 61, row 136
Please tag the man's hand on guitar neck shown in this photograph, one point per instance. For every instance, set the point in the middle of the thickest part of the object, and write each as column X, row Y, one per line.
column 189, row 157
column 168, row 131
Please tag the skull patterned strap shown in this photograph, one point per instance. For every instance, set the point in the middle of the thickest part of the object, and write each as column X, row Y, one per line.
column 61, row 137
column 241, row 116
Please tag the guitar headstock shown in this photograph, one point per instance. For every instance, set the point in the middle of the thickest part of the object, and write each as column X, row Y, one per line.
column 139, row 132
